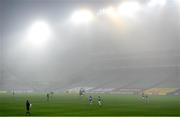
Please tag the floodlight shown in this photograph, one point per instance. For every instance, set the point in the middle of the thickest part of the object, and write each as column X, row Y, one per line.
column 129, row 8
column 38, row 33
column 154, row 3
column 111, row 11
column 101, row 12
column 82, row 16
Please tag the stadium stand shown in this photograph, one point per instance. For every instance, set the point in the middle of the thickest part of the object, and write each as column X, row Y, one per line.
column 159, row 91
column 77, row 89
column 177, row 92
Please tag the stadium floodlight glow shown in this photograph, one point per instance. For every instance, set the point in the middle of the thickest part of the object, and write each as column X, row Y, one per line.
column 154, row 3
column 108, row 11
column 111, row 11
column 129, row 8
column 101, row 12
column 38, row 33
column 82, row 16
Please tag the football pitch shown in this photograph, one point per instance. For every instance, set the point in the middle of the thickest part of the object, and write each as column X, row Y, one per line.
column 74, row 105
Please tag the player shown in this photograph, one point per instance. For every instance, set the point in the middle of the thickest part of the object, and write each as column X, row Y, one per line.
column 47, row 96
column 143, row 96
column 146, row 98
column 13, row 93
column 28, row 106
column 90, row 100
column 81, row 92
column 99, row 101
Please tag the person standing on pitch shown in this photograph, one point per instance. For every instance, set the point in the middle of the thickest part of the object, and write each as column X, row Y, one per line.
column 28, row 105
column 13, row 93
column 146, row 98
column 90, row 100
column 47, row 96
column 99, row 101
column 143, row 96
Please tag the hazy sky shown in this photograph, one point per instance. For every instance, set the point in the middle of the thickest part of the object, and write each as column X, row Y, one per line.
column 142, row 50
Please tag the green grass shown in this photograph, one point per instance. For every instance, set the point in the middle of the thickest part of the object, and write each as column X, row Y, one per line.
column 68, row 104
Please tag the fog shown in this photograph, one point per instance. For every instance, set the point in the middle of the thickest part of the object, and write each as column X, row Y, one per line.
column 137, row 52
